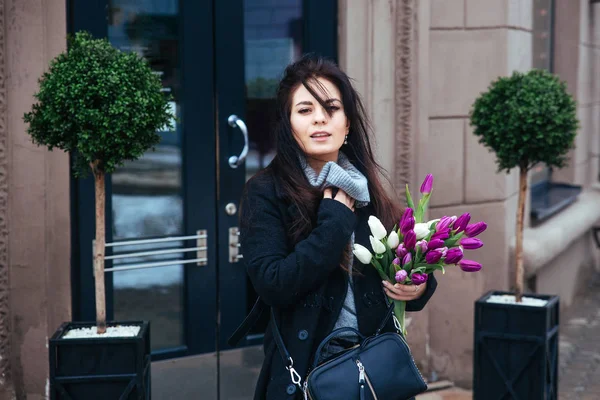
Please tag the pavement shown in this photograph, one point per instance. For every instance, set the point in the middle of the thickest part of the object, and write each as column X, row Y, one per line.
column 579, row 353
column 579, row 359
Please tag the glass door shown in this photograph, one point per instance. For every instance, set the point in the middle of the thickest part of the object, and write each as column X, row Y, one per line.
column 172, row 215
column 254, row 41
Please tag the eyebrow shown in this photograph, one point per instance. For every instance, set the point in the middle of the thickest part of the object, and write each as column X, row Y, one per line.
column 310, row 103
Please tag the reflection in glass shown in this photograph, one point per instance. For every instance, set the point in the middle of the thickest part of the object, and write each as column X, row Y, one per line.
column 146, row 193
column 156, row 295
column 543, row 50
column 543, row 14
column 273, row 39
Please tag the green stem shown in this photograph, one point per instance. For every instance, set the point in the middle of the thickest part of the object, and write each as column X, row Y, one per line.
column 380, row 270
column 400, row 312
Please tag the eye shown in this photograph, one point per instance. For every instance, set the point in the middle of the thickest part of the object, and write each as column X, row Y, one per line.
column 333, row 108
column 304, row 110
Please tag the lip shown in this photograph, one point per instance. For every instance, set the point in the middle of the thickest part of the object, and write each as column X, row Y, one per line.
column 320, row 133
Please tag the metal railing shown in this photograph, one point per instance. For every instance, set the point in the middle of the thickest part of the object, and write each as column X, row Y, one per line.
column 200, row 248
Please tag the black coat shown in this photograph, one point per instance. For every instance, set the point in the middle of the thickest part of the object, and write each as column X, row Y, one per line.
column 304, row 283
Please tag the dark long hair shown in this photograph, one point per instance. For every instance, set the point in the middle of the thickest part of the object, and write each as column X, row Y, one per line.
column 286, row 167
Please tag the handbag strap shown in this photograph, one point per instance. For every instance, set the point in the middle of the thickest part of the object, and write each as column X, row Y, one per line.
column 250, row 320
column 287, row 358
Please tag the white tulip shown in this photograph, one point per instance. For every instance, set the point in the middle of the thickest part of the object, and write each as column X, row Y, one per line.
column 362, row 253
column 378, row 247
column 421, row 230
column 393, row 240
column 433, row 221
column 377, row 229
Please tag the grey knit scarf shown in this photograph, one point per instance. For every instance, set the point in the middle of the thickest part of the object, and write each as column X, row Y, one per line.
column 345, row 176
column 342, row 175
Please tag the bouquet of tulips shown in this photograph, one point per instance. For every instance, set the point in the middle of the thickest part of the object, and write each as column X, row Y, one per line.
column 414, row 249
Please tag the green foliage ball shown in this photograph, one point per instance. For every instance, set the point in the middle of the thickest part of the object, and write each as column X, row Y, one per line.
column 102, row 104
column 526, row 119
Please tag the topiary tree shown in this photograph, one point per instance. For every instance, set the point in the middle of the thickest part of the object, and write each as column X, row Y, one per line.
column 104, row 106
column 526, row 119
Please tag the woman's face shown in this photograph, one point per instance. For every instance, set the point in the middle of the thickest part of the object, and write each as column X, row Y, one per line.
column 320, row 136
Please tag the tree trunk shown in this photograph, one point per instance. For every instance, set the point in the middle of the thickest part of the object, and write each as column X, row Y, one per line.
column 99, row 247
column 519, row 247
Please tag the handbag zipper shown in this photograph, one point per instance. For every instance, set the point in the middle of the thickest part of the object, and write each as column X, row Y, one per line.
column 362, row 377
column 411, row 356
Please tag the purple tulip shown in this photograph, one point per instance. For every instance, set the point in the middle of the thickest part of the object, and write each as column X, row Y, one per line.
column 469, row 265
column 407, row 222
column 410, row 240
column 443, row 235
column 396, row 261
column 453, row 256
column 461, row 222
column 407, row 259
column 471, row 243
column 433, row 256
column 473, row 230
column 401, row 250
column 418, row 279
column 435, row 244
column 422, row 244
column 444, row 224
column 427, row 184
column 401, row 276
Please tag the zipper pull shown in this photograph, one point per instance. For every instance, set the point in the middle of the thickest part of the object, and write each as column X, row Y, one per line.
column 305, row 390
column 361, row 372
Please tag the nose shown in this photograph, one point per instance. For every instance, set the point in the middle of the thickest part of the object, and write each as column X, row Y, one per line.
column 320, row 116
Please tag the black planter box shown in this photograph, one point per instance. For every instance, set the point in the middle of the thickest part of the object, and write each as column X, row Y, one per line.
column 516, row 350
column 100, row 368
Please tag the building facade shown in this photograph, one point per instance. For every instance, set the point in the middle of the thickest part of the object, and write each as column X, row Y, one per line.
column 419, row 65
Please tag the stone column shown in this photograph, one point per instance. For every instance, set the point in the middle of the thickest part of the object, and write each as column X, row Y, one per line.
column 6, row 387
column 382, row 44
column 472, row 42
column 38, row 225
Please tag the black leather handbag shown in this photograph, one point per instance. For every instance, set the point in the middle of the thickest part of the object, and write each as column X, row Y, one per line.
column 379, row 367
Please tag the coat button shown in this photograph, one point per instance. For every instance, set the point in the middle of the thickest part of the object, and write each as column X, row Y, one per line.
column 291, row 389
column 303, row 334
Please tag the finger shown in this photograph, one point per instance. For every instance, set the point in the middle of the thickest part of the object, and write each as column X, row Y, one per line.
column 345, row 198
column 408, row 288
column 395, row 296
column 396, row 289
column 341, row 195
column 327, row 194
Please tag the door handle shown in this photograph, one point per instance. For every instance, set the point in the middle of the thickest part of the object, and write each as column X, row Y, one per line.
column 234, row 121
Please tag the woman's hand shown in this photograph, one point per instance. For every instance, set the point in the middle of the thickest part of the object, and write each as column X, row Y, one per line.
column 340, row 196
column 404, row 292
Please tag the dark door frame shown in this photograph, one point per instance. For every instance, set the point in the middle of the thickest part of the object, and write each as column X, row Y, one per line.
column 208, row 26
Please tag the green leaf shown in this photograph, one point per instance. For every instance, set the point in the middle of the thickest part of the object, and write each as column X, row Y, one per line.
column 409, row 200
column 379, row 269
column 435, row 267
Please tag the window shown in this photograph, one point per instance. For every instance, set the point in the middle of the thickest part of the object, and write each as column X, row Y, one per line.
column 547, row 197
column 543, row 21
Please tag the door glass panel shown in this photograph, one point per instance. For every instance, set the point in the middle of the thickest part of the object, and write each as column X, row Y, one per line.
column 273, row 33
column 147, row 196
column 273, row 38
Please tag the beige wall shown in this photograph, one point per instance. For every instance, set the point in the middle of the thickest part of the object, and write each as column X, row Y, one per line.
column 456, row 48
column 38, row 198
column 579, row 25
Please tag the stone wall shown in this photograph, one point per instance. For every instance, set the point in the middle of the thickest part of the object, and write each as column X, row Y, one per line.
column 440, row 55
column 35, row 239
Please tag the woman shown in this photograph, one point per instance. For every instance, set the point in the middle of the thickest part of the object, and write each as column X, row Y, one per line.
column 300, row 216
